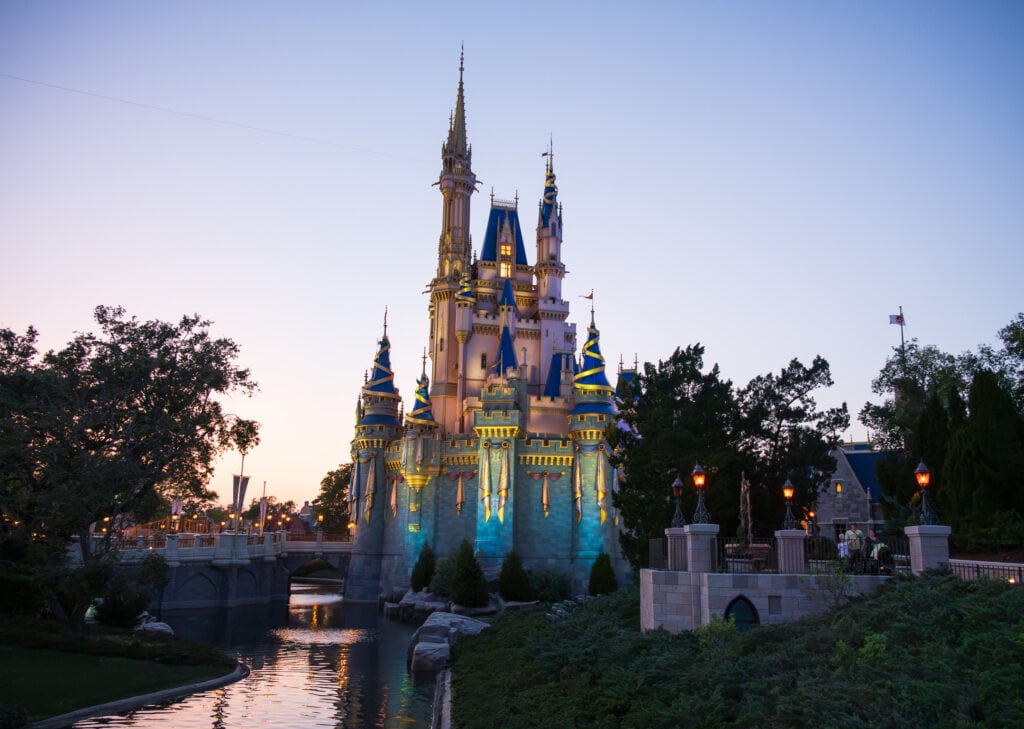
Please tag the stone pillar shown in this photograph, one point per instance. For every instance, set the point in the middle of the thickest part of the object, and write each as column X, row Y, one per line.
column 676, row 538
column 269, row 552
column 319, row 552
column 232, row 549
column 789, row 545
column 701, row 547
column 929, row 546
column 171, row 551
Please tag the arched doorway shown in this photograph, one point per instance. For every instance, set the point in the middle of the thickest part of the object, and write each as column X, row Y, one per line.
column 743, row 612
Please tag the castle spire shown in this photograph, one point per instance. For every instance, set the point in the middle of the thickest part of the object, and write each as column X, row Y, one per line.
column 457, row 144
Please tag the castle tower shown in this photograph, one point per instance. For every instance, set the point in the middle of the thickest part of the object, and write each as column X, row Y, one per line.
column 377, row 427
column 504, row 445
column 457, row 184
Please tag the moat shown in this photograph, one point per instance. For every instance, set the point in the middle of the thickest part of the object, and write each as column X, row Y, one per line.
column 331, row 665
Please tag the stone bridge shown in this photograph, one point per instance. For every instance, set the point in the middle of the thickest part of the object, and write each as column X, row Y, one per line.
column 229, row 570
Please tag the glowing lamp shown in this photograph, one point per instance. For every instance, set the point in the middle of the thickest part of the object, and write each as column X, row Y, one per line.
column 701, row 515
column 787, row 490
column 923, row 475
column 698, row 477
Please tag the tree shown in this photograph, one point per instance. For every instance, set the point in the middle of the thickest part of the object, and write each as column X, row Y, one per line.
column 602, row 577
column 276, row 511
column 677, row 415
column 513, row 582
column 110, row 423
column 332, row 501
column 468, row 585
column 784, row 436
column 423, row 571
column 674, row 416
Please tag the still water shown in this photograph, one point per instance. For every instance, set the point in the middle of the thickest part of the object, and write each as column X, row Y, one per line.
column 332, row 665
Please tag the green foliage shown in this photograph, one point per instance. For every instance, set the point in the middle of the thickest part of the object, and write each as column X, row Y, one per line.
column 768, row 431
column 12, row 717
column 513, row 582
column 468, row 585
column 423, row 571
column 550, row 586
column 332, row 501
column 444, row 575
column 928, row 651
column 602, row 577
column 105, row 425
column 20, row 594
column 122, row 603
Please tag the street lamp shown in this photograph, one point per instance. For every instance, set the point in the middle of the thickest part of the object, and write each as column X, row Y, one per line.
column 701, row 515
column 924, row 477
column 787, row 491
column 678, row 521
column 320, row 522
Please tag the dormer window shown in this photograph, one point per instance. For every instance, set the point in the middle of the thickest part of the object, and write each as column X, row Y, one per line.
column 505, row 264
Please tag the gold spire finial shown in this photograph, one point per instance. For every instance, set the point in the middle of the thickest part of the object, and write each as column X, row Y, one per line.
column 424, row 374
column 385, row 321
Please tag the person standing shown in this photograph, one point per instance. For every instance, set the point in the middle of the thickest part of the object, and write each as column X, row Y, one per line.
column 854, row 539
column 843, row 547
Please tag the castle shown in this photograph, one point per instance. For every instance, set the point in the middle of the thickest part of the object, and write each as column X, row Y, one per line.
column 505, row 443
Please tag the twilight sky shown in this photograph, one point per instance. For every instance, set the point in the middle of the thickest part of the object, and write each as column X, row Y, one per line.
column 771, row 179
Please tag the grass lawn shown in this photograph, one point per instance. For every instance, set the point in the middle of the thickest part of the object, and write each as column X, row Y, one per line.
column 46, row 683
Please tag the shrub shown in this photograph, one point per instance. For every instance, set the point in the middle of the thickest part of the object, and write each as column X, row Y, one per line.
column 602, row 578
column 441, row 582
column 122, row 604
column 550, row 586
column 468, row 585
column 514, row 583
column 423, row 572
column 12, row 717
column 19, row 594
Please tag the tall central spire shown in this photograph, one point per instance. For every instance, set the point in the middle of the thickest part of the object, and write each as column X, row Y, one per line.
column 457, row 145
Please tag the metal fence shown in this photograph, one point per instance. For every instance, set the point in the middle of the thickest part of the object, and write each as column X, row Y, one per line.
column 759, row 555
column 973, row 570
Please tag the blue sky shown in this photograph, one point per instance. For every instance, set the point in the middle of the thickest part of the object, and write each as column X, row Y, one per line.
column 769, row 179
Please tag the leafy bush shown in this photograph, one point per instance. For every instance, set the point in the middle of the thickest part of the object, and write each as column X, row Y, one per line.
column 122, row 604
column 19, row 594
column 602, row 577
column 441, row 582
column 514, row 583
column 423, row 571
column 468, row 585
column 922, row 651
column 12, row 717
column 550, row 586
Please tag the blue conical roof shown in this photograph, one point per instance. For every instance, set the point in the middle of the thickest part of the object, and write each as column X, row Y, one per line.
column 506, row 356
column 507, row 297
column 383, row 379
column 422, row 413
column 593, row 393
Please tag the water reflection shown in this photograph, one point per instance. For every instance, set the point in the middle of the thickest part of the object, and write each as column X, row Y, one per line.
column 332, row 665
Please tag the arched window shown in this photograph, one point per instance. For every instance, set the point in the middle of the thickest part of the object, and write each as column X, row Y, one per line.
column 743, row 612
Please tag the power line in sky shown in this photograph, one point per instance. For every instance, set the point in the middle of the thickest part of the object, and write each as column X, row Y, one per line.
column 201, row 117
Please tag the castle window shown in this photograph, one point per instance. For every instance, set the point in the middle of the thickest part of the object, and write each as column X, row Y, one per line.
column 506, row 250
column 505, row 269
column 440, row 345
column 483, row 361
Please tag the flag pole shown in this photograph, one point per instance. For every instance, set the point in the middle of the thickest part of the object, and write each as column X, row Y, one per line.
column 903, row 344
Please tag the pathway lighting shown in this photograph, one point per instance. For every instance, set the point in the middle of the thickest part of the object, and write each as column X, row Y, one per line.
column 924, row 477
column 678, row 521
column 701, row 515
column 787, row 491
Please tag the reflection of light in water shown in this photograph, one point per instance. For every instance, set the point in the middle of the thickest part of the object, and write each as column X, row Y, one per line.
column 324, row 636
column 304, row 600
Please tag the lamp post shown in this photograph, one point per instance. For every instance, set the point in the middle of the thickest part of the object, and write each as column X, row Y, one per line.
column 924, row 477
column 678, row 521
column 701, row 515
column 787, row 491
